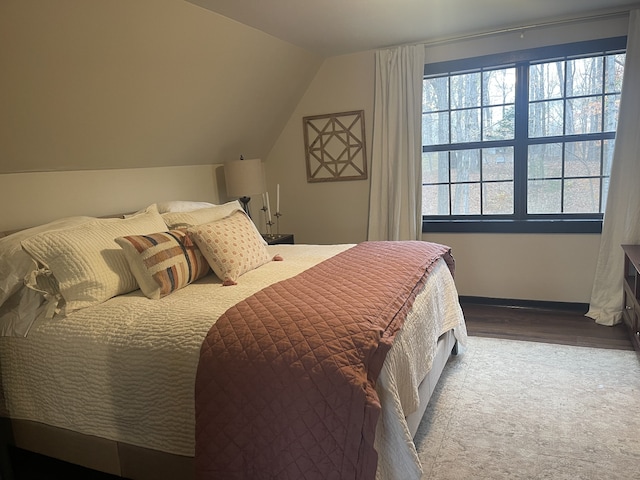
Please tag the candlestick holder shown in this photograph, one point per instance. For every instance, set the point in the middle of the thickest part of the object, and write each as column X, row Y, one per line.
column 267, row 221
column 270, row 229
column 278, row 215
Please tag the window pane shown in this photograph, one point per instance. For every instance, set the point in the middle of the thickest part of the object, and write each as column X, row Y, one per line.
column 435, row 128
column 498, row 123
column 499, row 86
column 582, row 159
column 611, row 108
column 565, row 118
column 466, row 199
column 435, row 94
column 584, row 76
column 435, row 167
column 614, row 72
column 465, row 126
column 465, row 90
column 584, row 115
column 546, row 81
column 545, row 161
column 435, row 200
column 582, row 195
column 544, row 196
column 465, row 166
column 546, row 119
column 497, row 163
column 497, row 198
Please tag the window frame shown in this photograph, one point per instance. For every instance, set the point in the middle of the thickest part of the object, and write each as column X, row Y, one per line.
column 520, row 221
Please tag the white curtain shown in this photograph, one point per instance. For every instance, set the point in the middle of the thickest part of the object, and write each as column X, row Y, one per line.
column 622, row 214
column 395, row 206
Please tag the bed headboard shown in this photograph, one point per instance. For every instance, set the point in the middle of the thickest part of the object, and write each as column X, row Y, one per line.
column 35, row 198
column 9, row 232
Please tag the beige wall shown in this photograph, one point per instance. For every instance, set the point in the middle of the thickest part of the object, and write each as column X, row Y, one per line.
column 516, row 266
column 115, row 87
column 555, row 268
column 95, row 84
column 326, row 212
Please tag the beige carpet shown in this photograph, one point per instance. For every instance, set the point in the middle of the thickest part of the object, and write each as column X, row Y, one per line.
column 506, row 409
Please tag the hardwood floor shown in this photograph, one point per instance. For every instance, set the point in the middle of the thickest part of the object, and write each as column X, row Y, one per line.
column 567, row 327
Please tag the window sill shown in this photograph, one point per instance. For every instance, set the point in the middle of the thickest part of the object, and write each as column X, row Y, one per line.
column 512, row 226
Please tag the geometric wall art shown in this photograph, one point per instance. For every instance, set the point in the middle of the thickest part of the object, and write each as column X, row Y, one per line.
column 334, row 147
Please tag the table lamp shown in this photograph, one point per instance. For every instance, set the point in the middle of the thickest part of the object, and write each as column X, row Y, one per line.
column 243, row 179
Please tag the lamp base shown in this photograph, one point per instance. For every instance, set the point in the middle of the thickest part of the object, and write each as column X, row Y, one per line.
column 245, row 204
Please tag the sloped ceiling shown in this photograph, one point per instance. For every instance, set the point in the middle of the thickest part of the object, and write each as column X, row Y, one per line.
column 116, row 84
column 335, row 27
column 94, row 84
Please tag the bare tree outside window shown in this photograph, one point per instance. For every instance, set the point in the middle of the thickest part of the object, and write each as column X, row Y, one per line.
column 530, row 138
column 463, row 109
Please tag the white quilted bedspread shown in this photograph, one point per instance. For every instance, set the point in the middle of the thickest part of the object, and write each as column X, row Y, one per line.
column 435, row 311
column 125, row 369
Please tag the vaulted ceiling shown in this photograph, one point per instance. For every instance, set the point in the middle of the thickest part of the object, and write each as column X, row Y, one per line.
column 122, row 84
column 335, row 27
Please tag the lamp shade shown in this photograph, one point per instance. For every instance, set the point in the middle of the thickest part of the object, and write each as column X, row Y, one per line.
column 244, row 177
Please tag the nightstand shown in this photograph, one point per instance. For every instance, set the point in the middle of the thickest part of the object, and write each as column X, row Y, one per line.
column 278, row 238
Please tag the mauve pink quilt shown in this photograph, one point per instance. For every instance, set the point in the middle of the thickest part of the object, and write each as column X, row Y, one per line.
column 285, row 382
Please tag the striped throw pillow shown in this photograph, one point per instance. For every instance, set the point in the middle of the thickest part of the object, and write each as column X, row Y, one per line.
column 162, row 263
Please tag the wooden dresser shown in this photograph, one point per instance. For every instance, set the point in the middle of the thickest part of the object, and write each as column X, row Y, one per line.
column 631, row 287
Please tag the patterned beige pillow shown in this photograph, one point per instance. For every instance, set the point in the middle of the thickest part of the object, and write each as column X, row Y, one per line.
column 162, row 263
column 87, row 263
column 232, row 246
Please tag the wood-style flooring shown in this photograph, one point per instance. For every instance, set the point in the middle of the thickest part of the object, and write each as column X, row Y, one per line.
column 537, row 325
column 567, row 327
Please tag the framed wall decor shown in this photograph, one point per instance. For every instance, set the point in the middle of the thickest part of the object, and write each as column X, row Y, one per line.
column 334, row 146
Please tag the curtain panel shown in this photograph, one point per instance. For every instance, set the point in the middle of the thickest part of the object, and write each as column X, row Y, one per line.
column 622, row 214
column 395, row 205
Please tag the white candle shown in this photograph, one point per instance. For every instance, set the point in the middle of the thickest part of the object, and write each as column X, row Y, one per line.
column 268, row 207
column 263, row 202
column 278, row 199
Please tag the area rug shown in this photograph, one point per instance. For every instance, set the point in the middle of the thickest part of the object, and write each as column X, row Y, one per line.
column 507, row 409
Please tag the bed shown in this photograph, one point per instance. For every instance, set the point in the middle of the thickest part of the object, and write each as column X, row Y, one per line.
column 108, row 383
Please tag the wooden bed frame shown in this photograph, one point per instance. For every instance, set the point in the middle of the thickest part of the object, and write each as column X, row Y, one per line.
column 139, row 463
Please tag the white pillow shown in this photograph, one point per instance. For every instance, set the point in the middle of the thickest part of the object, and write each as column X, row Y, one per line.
column 85, row 260
column 202, row 215
column 205, row 215
column 19, row 312
column 20, row 305
column 182, row 206
column 15, row 264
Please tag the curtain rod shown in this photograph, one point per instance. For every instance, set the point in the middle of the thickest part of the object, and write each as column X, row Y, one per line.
column 523, row 28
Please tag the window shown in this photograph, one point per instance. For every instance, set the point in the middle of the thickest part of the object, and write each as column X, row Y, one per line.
column 521, row 141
